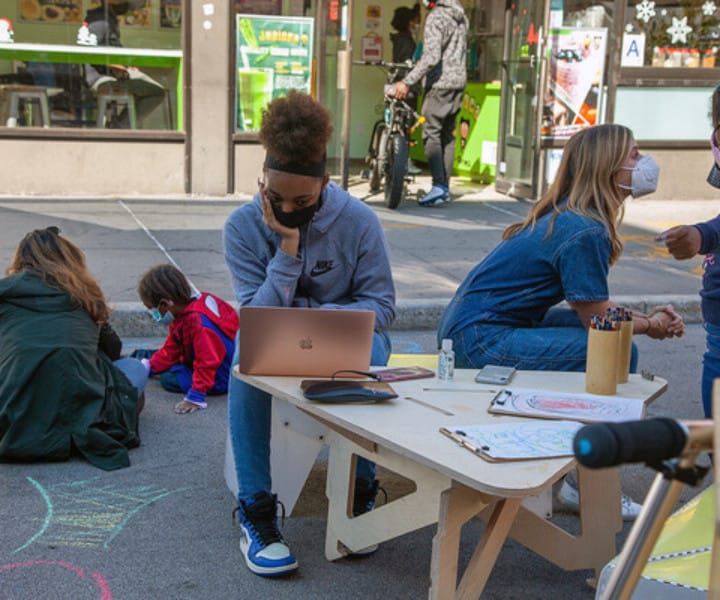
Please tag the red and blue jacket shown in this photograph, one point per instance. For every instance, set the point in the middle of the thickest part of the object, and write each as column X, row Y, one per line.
column 203, row 339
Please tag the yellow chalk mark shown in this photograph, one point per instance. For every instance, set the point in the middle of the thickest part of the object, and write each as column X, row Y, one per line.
column 651, row 248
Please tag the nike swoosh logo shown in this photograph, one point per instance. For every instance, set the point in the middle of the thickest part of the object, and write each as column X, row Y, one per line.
column 320, row 269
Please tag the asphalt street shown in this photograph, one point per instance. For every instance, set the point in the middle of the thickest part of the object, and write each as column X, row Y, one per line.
column 163, row 529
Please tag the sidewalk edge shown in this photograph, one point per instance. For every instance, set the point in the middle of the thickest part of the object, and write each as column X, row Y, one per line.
column 131, row 319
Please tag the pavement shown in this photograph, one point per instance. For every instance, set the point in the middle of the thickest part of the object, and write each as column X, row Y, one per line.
column 162, row 529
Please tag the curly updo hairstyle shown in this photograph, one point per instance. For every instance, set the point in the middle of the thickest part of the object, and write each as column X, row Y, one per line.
column 296, row 128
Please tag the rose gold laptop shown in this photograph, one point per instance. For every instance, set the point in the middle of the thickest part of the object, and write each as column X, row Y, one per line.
column 304, row 342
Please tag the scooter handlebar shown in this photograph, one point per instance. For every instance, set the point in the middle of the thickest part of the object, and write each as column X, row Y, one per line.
column 610, row 444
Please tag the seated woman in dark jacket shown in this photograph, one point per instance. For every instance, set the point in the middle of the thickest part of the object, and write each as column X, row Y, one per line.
column 63, row 387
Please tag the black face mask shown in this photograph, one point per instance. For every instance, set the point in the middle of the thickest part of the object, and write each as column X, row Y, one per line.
column 296, row 218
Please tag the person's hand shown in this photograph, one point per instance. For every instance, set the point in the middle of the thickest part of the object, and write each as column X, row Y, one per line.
column 146, row 363
column 186, row 407
column 676, row 326
column 682, row 241
column 664, row 322
column 290, row 236
column 400, row 90
column 657, row 326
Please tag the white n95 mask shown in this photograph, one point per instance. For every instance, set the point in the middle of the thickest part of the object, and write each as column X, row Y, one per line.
column 645, row 176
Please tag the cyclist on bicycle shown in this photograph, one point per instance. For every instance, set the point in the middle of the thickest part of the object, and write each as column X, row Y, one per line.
column 443, row 63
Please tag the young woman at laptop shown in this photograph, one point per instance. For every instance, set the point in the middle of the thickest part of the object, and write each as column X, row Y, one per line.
column 301, row 242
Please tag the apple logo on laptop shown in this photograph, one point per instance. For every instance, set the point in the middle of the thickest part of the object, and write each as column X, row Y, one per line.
column 306, row 343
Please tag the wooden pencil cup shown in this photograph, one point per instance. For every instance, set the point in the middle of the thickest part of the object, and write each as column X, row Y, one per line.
column 602, row 360
column 624, row 351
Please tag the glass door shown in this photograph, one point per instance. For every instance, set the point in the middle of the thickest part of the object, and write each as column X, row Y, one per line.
column 519, row 138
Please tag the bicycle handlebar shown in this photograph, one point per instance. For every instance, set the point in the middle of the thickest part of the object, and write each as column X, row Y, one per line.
column 611, row 444
column 381, row 63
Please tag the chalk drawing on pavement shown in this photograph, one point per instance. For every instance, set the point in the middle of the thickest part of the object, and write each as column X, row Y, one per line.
column 87, row 514
column 97, row 578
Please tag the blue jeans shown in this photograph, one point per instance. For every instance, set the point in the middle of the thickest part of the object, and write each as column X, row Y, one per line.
column 249, row 414
column 135, row 371
column 557, row 343
column 711, row 365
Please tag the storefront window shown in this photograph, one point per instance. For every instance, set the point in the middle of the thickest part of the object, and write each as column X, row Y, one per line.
column 671, row 34
column 274, row 55
column 106, row 64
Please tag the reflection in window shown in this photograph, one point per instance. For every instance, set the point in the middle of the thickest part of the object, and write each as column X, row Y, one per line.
column 91, row 64
column 675, row 34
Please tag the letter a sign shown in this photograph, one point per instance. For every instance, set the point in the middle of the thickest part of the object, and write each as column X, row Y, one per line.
column 633, row 50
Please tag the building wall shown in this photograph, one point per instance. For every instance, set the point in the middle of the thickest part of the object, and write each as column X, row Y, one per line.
column 683, row 174
column 84, row 168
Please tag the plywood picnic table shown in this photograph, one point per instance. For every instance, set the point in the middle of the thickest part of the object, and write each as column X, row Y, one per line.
column 453, row 484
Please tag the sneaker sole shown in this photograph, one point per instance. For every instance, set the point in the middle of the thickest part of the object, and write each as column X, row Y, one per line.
column 267, row 571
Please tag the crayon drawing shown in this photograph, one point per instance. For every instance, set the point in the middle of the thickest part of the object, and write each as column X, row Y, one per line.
column 588, row 408
column 89, row 515
column 518, row 441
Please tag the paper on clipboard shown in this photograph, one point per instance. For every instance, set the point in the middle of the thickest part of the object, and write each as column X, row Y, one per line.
column 525, row 440
column 546, row 404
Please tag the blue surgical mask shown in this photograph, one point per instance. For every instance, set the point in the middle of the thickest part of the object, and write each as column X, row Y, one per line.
column 644, row 177
column 165, row 319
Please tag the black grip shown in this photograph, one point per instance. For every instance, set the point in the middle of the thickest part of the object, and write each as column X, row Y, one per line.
column 611, row 444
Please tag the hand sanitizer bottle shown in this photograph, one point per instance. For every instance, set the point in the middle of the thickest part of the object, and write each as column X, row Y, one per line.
column 446, row 361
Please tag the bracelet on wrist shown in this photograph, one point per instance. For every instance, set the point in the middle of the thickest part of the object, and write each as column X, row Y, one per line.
column 649, row 325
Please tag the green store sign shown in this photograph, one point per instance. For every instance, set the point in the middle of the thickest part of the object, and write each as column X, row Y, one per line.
column 274, row 55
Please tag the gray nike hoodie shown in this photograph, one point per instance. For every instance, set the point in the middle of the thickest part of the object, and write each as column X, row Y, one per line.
column 444, row 50
column 342, row 262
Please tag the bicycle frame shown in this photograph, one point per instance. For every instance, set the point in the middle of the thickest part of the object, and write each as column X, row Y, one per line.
column 390, row 140
column 659, row 504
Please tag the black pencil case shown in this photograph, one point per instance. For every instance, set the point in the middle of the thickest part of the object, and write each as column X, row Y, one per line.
column 338, row 391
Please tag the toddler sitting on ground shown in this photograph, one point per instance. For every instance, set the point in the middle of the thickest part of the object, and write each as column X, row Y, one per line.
column 195, row 358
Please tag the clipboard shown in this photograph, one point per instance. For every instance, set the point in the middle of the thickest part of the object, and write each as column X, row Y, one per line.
column 547, row 404
column 527, row 440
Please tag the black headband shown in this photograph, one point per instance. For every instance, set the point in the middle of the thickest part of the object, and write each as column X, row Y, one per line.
column 314, row 169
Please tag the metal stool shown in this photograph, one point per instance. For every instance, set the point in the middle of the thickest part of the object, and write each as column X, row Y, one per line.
column 109, row 101
column 28, row 97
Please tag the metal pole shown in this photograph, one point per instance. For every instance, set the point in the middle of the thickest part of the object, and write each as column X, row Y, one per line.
column 347, row 73
column 632, row 560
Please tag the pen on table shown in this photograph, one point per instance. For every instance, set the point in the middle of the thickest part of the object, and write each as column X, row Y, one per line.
column 478, row 390
column 428, row 405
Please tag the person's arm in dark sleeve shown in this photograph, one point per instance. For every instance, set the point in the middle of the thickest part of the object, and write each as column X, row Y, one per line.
column 109, row 342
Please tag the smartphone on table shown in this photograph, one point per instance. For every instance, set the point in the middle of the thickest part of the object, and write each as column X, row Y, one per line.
column 495, row 374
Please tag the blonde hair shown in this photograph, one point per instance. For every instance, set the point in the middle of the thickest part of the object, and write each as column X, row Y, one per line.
column 61, row 265
column 586, row 178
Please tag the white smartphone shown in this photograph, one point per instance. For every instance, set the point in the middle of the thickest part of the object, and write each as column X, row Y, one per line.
column 495, row 374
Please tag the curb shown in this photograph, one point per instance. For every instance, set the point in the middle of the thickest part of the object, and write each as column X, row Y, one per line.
column 131, row 319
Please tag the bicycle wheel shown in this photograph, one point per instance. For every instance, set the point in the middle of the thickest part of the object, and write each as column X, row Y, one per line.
column 395, row 169
column 376, row 157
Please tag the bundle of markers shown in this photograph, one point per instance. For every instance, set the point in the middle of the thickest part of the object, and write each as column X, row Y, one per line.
column 612, row 319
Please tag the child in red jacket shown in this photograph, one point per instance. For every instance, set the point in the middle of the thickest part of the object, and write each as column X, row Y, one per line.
column 195, row 358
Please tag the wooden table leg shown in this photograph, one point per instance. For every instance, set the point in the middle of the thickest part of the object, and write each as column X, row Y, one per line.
column 457, row 506
column 411, row 512
column 600, row 521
